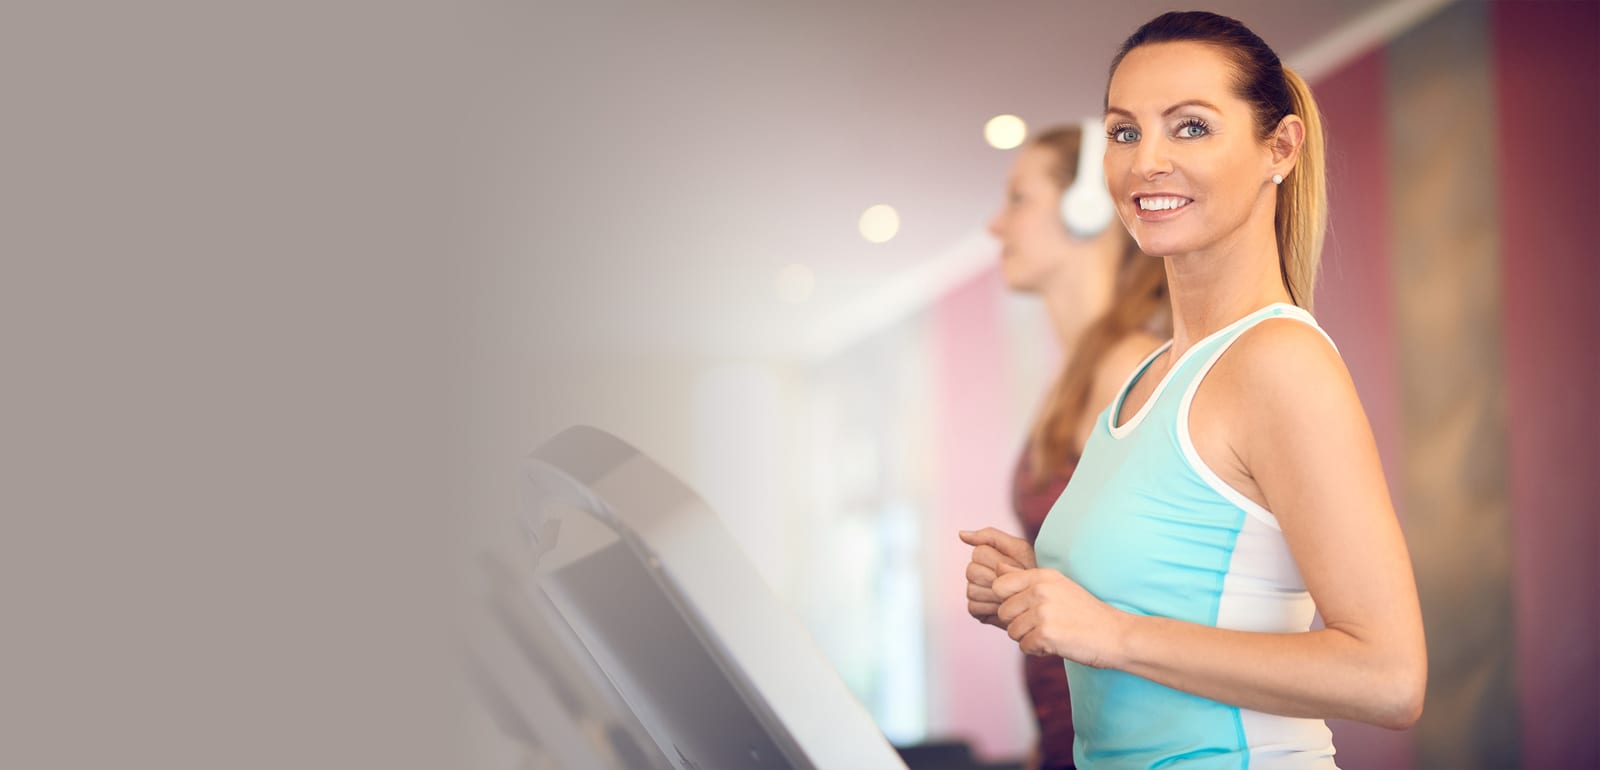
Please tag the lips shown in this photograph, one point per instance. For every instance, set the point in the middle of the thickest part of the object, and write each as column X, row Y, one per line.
column 1157, row 206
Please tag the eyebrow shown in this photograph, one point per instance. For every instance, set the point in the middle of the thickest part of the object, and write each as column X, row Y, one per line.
column 1169, row 110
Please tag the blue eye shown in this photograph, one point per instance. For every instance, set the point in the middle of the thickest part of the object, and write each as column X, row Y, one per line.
column 1193, row 128
column 1124, row 134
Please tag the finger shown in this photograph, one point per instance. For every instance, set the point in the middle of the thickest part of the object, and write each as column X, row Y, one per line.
column 1011, row 546
column 979, row 593
column 1006, row 586
column 989, row 557
column 1032, row 643
column 1010, row 582
column 1006, row 543
column 980, row 575
column 989, row 536
column 1011, row 608
column 982, row 610
column 1006, row 568
column 1021, row 625
column 983, row 536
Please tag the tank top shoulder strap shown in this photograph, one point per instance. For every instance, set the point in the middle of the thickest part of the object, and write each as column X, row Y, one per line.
column 1192, row 366
column 1276, row 310
column 1211, row 350
column 1191, row 385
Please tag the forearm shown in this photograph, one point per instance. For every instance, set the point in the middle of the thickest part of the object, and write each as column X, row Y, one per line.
column 1326, row 673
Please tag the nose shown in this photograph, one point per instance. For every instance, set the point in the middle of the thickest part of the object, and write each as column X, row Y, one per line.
column 994, row 224
column 1150, row 159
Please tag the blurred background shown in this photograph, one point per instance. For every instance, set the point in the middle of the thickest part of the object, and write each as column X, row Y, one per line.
column 749, row 240
column 289, row 289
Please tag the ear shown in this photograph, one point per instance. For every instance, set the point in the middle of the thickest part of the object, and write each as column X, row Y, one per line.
column 1285, row 143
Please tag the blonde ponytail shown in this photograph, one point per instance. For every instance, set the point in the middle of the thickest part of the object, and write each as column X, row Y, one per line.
column 1302, row 217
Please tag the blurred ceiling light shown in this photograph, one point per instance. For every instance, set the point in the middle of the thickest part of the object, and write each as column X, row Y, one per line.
column 1005, row 131
column 795, row 283
column 879, row 223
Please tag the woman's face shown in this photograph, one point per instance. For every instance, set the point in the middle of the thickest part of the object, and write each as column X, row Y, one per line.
column 1184, row 162
column 1034, row 244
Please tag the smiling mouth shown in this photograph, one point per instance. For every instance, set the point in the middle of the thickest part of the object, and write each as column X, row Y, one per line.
column 1162, row 203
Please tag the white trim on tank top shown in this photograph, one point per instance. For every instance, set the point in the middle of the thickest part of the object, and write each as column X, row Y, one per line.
column 1122, row 394
column 1187, row 444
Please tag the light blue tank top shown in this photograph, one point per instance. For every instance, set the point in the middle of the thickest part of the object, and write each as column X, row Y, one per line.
column 1145, row 526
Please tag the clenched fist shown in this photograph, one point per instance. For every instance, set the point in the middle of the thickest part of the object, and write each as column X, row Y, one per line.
column 992, row 548
column 1047, row 613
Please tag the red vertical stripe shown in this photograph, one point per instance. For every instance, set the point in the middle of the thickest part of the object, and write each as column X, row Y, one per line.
column 1546, row 62
column 1354, row 302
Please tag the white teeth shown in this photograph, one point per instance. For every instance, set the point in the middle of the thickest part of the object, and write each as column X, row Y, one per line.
column 1162, row 203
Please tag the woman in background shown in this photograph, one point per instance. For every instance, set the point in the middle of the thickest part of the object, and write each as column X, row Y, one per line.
column 1107, row 303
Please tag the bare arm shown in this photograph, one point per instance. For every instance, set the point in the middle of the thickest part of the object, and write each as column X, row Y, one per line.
column 1304, row 440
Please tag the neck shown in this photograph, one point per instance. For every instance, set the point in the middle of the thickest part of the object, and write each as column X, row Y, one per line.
column 1222, row 283
column 1076, row 304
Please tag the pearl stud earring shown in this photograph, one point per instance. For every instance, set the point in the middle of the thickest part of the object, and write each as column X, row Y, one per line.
column 1277, row 179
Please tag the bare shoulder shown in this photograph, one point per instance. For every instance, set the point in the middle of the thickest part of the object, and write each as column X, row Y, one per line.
column 1279, row 417
column 1287, row 372
column 1285, row 353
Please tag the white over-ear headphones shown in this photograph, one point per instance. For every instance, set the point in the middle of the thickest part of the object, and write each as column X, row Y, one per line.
column 1086, row 206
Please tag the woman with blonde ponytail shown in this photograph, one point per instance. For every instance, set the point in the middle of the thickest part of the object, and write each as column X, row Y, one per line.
column 1232, row 489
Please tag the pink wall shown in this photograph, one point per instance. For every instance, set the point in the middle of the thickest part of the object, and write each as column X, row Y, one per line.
column 980, row 666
